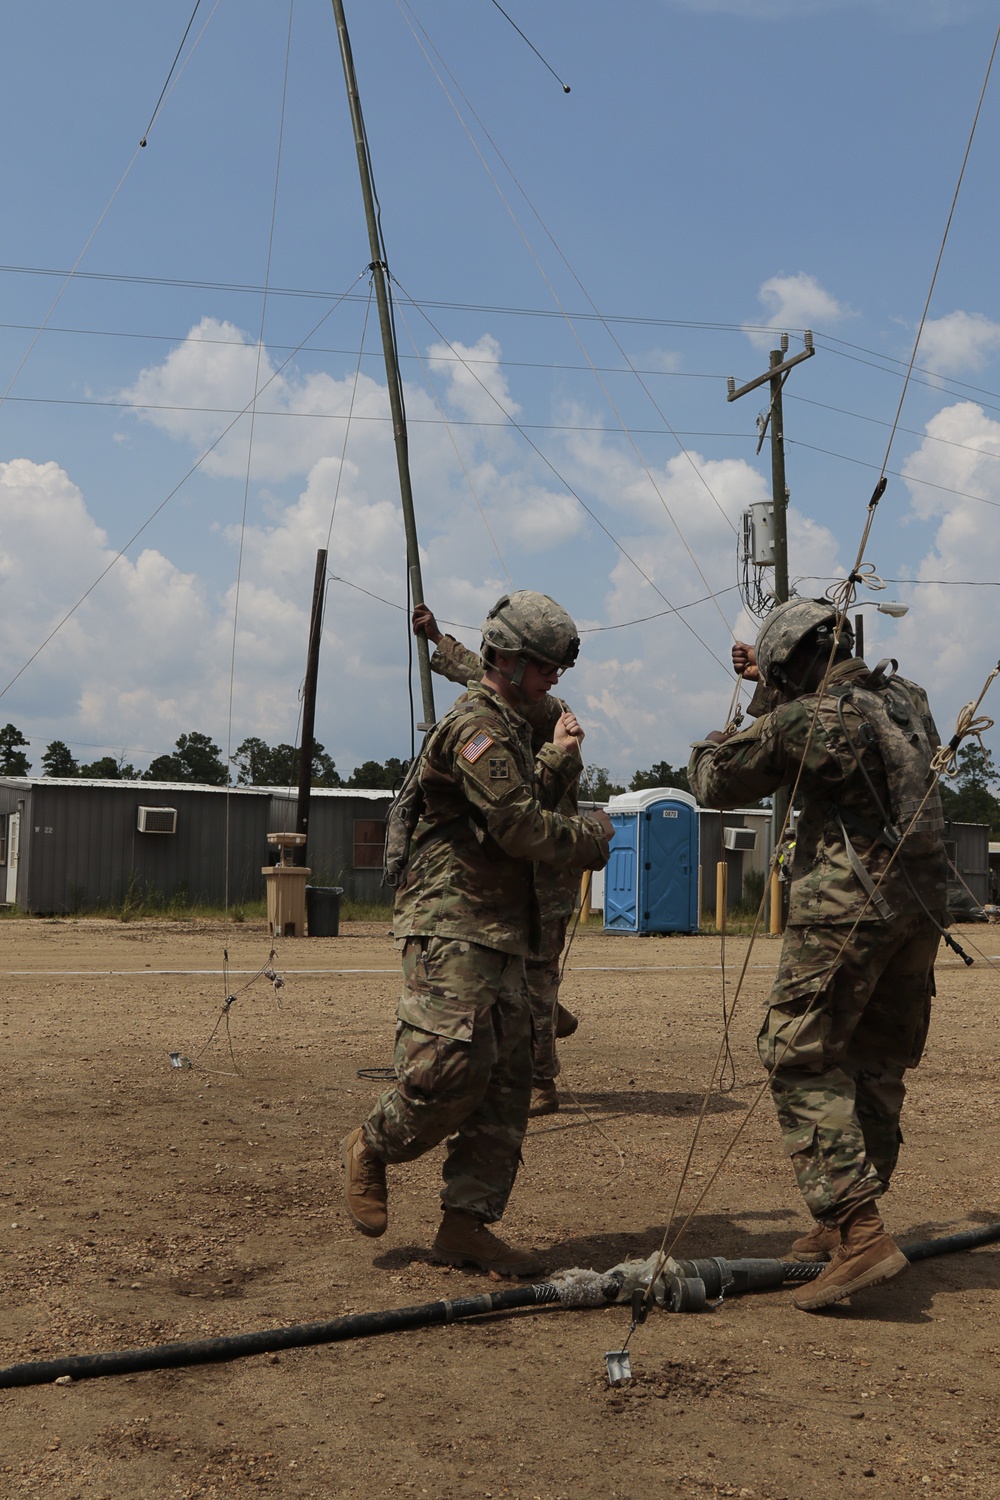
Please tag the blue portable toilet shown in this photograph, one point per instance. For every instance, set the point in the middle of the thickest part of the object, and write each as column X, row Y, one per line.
column 651, row 879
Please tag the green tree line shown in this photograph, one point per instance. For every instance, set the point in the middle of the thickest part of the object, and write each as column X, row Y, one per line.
column 969, row 798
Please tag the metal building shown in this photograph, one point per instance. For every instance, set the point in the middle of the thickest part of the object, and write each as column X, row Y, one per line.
column 75, row 845
column 346, row 837
column 71, row 844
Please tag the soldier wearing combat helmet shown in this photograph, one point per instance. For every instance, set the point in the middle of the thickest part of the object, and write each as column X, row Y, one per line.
column 557, row 889
column 466, row 919
column 850, row 1006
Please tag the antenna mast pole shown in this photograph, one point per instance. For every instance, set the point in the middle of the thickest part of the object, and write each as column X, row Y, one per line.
column 380, row 276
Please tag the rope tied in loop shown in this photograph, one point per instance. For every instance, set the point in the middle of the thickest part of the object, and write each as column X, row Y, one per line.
column 844, row 593
column 945, row 761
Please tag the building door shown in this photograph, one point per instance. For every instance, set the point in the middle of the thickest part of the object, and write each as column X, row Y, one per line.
column 668, row 897
column 13, row 845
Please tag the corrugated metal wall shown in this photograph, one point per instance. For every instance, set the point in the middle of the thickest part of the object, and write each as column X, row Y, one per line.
column 968, row 845
column 739, row 864
column 332, row 815
column 84, row 849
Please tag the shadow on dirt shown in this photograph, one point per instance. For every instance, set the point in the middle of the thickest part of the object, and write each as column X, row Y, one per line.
column 645, row 1102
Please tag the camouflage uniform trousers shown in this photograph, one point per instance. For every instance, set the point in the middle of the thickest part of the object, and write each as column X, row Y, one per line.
column 543, row 993
column 840, row 1031
column 463, row 1070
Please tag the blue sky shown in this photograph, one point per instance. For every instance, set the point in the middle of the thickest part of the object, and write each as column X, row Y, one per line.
column 719, row 170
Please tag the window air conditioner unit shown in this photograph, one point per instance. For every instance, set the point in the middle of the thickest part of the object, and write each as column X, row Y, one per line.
column 157, row 820
column 740, row 838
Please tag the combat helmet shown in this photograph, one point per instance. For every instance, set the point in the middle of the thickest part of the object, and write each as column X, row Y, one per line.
column 787, row 626
column 528, row 624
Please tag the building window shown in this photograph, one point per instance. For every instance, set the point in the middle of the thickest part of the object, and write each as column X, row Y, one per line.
column 369, row 843
column 3, row 838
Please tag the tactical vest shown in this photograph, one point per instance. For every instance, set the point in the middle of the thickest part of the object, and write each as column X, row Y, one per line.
column 408, row 806
column 901, row 736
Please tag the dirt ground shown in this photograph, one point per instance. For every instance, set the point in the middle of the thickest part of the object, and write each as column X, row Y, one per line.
column 141, row 1203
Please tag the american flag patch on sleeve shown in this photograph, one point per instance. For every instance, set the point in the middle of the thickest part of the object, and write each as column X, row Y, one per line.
column 477, row 746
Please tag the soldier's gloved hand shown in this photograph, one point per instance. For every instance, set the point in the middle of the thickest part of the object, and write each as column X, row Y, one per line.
column 567, row 734
column 717, row 736
column 745, row 662
column 424, row 621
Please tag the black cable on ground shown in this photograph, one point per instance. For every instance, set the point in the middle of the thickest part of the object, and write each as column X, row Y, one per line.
column 266, row 1340
column 750, row 1275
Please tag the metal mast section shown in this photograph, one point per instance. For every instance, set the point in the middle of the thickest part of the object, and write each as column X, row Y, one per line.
column 776, row 376
column 383, row 296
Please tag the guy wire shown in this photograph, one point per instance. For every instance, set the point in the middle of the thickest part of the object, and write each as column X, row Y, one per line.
column 458, row 453
column 250, row 437
column 569, row 322
column 104, row 212
column 350, row 413
column 207, row 452
column 940, row 255
column 580, row 501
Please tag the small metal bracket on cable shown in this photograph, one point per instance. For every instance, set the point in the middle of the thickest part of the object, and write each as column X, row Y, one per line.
column 878, row 492
column 617, row 1361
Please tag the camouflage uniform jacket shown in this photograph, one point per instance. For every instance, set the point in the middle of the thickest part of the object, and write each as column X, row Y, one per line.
column 470, row 873
column 825, row 889
column 557, row 889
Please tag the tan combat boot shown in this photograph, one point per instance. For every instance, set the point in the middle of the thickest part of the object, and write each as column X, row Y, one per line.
column 464, row 1240
column 365, row 1187
column 544, row 1098
column 867, row 1255
column 821, row 1243
column 566, row 1022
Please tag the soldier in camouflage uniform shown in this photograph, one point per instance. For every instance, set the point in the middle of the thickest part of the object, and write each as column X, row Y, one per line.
column 850, row 1006
column 557, row 889
column 466, row 918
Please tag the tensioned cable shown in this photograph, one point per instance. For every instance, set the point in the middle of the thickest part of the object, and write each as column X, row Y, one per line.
column 350, row 415
column 830, row 342
column 607, row 394
column 578, row 427
column 458, row 452
column 167, row 498
column 582, row 629
column 180, row 49
column 564, row 86
column 925, row 436
column 843, row 598
column 941, row 384
column 940, row 256
column 579, row 499
column 107, row 207
column 862, row 463
column 250, row 436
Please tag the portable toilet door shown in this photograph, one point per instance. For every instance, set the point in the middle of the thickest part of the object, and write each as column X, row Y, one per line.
column 668, row 864
column 621, row 874
column 651, row 882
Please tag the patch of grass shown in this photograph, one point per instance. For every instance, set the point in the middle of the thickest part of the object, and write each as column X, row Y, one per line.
column 366, row 911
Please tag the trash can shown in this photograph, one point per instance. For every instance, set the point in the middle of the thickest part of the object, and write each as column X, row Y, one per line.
column 323, row 910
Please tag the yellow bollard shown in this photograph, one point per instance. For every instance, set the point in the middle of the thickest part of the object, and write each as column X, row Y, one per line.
column 721, row 894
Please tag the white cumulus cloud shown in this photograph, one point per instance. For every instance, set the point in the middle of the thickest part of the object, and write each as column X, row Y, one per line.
column 792, row 302
column 958, row 343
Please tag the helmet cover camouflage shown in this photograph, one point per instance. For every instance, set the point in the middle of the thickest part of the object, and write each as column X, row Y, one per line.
column 528, row 624
column 786, row 627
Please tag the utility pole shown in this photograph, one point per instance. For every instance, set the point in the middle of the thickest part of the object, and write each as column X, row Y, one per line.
column 777, row 374
column 309, row 703
column 380, row 277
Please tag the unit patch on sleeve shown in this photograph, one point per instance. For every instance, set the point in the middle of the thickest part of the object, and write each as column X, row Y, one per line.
column 499, row 768
column 477, row 746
